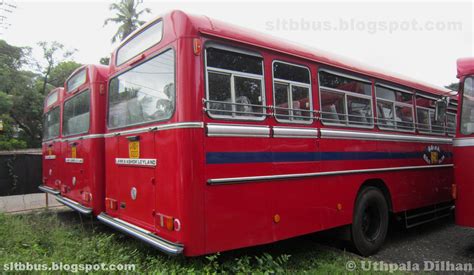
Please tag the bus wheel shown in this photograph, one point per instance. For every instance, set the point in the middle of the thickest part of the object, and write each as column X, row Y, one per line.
column 370, row 221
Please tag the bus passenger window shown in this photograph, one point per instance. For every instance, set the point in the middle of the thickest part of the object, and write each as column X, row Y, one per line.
column 345, row 100
column 425, row 112
column 292, row 93
column 423, row 117
column 404, row 117
column 451, row 124
column 332, row 105
column 234, row 84
column 281, row 100
column 359, row 110
column 395, row 109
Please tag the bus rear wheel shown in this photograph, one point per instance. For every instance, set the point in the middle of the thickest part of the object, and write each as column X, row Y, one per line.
column 370, row 221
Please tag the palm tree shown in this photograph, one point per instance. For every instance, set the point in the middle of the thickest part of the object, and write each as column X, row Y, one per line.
column 127, row 16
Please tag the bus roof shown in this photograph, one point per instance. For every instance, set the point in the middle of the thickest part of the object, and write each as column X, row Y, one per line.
column 92, row 70
column 465, row 66
column 184, row 24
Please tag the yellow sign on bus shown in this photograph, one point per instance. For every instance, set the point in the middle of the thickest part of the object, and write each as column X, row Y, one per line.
column 134, row 149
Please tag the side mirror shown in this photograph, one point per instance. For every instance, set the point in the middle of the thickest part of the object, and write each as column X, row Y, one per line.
column 440, row 109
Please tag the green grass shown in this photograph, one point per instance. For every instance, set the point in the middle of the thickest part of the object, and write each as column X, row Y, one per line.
column 47, row 237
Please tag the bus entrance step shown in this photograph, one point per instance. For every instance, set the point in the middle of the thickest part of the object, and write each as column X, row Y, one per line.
column 427, row 214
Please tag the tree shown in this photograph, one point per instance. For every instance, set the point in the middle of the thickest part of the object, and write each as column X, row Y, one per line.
column 61, row 72
column 453, row 86
column 53, row 53
column 11, row 60
column 20, row 102
column 127, row 15
column 105, row 60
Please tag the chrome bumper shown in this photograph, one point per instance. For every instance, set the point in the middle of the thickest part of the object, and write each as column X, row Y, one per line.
column 48, row 190
column 74, row 205
column 142, row 234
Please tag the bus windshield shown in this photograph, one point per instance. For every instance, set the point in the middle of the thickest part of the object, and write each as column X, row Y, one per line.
column 77, row 114
column 467, row 112
column 143, row 94
column 51, row 124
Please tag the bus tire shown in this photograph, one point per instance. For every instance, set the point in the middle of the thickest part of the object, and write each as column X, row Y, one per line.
column 370, row 221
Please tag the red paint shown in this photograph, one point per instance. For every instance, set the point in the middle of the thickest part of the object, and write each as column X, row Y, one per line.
column 51, row 148
column 464, row 157
column 218, row 218
column 89, row 188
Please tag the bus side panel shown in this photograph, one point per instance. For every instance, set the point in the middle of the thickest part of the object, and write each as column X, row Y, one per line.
column 52, row 160
column 246, row 211
column 191, row 183
column 410, row 189
column 236, row 213
column 465, row 186
column 112, row 187
column 95, row 176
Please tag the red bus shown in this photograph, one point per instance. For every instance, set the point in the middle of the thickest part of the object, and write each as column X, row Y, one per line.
column 464, row 144
column 82, row 143
column 219, row 138
column 51, row 147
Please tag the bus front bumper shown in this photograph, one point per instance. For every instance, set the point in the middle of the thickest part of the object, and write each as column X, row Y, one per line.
column 74, row 205
column 48, row 190
column 142, row 234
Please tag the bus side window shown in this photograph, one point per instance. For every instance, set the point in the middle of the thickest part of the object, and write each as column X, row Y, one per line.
column 345, row 100
column 395, row 109
column 292, row 93
column 425, row 114
column 234, row 84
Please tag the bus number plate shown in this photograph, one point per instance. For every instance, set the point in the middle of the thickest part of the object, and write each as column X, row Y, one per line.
column 134, row 149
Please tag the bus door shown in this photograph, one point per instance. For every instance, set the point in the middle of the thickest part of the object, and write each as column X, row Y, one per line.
column 52, row 148
column 138, row 97
column 74, row 165
column 136, row 165
column 51, row 154
column 76, row 124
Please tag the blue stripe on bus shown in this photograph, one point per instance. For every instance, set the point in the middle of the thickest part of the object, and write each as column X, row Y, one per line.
column 258, row 157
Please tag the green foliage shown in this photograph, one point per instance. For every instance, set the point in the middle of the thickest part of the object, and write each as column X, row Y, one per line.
column 127, row 16
column 105, row 60
column 59, row 237
column 61, row 72
column 11, row 60
column 53, row 53
column 6, row 103
column 27, row 113
column 22, row 92
column 453, row 86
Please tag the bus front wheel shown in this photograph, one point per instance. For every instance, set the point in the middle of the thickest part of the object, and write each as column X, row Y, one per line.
column 370, row 221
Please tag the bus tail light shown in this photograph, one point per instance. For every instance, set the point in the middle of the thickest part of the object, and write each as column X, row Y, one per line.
column 64, row 189
column 454, row 191
column 111, row 203
column 197, row 46
column 86, row 196
column 169, row 223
